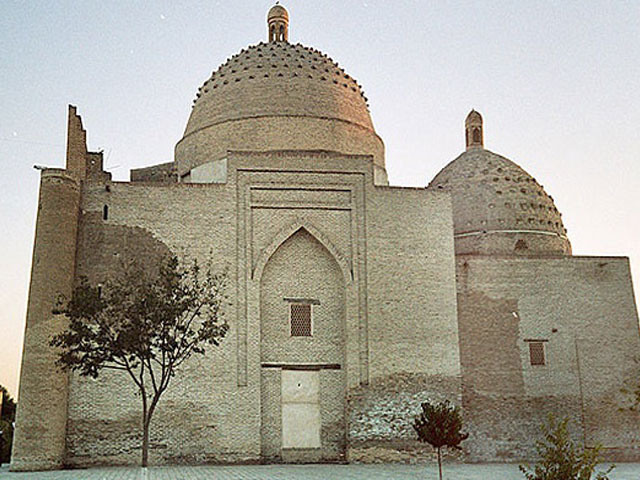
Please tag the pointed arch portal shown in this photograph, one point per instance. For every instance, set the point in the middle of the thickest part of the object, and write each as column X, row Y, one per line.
column 302, row 377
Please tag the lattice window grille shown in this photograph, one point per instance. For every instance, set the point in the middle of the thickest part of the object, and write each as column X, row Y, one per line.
column 536, row 353
column 300, row 320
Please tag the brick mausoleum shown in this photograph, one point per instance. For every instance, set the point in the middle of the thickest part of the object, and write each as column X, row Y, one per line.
column 351, row 301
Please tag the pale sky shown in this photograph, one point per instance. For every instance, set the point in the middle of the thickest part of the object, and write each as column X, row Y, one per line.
column 557, row 82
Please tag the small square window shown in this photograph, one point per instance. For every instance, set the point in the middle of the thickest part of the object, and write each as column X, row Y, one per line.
column 536, row 353
column 300, row 319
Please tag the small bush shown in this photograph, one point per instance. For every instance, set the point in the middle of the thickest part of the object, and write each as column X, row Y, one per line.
column 440, row 425
column 561, row 459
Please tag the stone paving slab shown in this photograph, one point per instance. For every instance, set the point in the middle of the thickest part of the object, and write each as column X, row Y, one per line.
column 625, row 471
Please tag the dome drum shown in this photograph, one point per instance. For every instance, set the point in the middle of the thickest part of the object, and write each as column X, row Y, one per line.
column 522, row 243
column 276, row 133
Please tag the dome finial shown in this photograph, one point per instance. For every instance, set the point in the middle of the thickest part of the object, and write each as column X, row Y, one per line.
column 278, row 23
column 473, row 130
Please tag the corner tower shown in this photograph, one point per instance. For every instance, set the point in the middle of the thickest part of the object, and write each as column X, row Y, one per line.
column 39, row 442
column 40, row 435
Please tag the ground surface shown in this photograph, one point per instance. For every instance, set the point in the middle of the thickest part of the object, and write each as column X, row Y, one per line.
column 625, row 471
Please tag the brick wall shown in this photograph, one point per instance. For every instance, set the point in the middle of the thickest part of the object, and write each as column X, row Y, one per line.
column 582, row 308
column 351, row 231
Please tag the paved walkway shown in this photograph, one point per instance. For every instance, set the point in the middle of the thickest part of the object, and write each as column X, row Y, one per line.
column 625, row 471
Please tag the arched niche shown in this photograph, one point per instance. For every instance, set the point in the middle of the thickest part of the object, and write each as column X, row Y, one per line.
column 301, row 270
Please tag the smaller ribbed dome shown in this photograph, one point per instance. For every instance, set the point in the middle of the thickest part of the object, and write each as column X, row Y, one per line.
column 498, row 208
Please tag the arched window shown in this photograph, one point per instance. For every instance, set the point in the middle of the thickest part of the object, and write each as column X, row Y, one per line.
column 476, row 135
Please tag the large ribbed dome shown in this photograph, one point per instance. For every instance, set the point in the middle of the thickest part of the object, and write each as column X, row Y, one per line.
column 498, row 208
column 279, row 78
column 273, row 96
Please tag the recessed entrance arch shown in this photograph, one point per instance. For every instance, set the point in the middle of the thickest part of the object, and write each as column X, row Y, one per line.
column 303, row 374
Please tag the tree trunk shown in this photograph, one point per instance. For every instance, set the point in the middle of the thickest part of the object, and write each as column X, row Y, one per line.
column 439, row 463
column 145, row 441
column 145, row 430
column 148, row 413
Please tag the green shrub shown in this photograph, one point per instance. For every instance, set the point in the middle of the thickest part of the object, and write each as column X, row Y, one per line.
column 561, row 459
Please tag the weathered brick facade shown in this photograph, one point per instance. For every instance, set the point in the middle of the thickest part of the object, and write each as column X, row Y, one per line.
column 583, row 310
column 414, row 293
